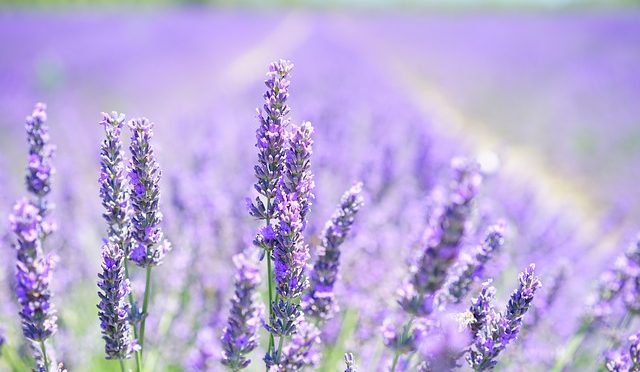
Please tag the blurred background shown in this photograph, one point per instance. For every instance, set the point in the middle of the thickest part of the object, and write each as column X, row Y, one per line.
column 547, row 91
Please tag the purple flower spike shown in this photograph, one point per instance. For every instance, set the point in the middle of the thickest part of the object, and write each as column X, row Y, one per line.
column 634, row 350
column 620, row 361
column 498, row 331
column 114, row 188
column 271, row 136
column 298, row 179
column 442, row 241
column 408, row 338
column 623, row 280
column 319, row 301
column 615, row 361
column 471, row 268
column 114, row 306
column 350, row 363
column 481, row 309
column 149, row 246
column 290, row 253
column 241, row 334
column 300, row 352
column 33, row 273
column 41, row 152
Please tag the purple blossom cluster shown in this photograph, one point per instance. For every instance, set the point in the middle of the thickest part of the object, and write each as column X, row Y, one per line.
column 114, row 307
column 625, row 361
column 240, row 336
column 29, row 224
column 300, row 352
column 41, row 151
column 271, row 138
column 33, row 273
column 319, row 301
column 149, row 246
column 620, row 282
column 472, row 268
column 492, row 331
column 442, row 241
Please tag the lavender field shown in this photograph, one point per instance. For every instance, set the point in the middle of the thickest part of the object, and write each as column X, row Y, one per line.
column 416, row 191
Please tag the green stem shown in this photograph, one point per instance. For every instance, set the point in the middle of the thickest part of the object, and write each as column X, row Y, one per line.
column 43, row 350
column 408, row 364
column 138, row 360
column 568, row 354
column 280, row 343
column 270, row 280
column 131, row 300
column 122, row 365
column 333, row 353
column 145, row 306
column 405, row 333
column 395, row 361
column 135, row 328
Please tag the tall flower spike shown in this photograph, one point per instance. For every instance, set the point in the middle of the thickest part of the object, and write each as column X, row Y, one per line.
column 298, row 179
column 114, row 307
column 501, row 330
column 442, row 241
column 471, row 268
column 241, row 334
column 319, row 301
column 33, row 273
column 114, row 188
column 40, row 168
column 271, row 138
column 149, row 246
column 270, row 141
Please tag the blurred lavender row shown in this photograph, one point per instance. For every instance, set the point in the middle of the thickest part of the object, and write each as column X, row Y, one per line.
column 411, row 269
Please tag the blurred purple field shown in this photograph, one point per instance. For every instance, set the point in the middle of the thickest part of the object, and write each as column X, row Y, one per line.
column 543, row 107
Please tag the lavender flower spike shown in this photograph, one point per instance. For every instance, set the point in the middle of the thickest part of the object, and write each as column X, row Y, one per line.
column 350, row 363
column 500, row 330
column 41, row 153
column 270, row 141
column 271, row 138
column 149, row 247
column 471, row 268
column 619, row 361
column 481, row 309
column 241, row 334
column 33, row 273
column 298, row 179
column 290, row 255
column 300, row 352
column 113, row 306
column 319, row 301
column 442, row 241
column 114, row 188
